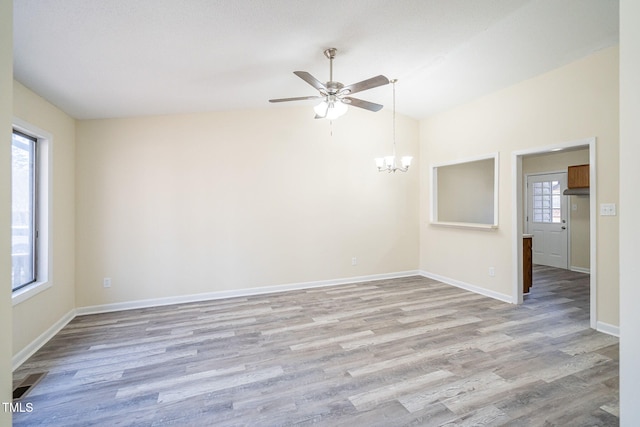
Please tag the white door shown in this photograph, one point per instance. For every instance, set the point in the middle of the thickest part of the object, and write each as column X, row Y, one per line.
column 547, row 218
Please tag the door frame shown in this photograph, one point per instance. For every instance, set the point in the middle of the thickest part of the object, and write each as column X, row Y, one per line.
column 567, row 212
column 517, row 216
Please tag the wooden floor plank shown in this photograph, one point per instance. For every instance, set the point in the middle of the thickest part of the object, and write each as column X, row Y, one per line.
column 409, row 351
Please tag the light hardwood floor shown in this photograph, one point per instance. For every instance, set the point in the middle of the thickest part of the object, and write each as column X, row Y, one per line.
column 409, row 351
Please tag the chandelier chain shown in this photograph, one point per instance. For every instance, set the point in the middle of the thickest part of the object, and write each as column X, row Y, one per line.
column 394, row 117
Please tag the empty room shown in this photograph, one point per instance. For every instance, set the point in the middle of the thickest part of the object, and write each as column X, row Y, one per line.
column 354, row 212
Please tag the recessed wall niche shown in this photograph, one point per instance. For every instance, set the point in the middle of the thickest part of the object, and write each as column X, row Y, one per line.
column 465, row 192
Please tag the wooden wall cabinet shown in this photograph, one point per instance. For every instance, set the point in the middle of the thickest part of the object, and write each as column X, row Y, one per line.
column 578, row 176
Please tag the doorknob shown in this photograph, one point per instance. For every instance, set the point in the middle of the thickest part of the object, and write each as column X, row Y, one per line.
column 563, row 227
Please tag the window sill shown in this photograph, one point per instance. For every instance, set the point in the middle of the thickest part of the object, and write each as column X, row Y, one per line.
column 466, row 225
column 29, row 291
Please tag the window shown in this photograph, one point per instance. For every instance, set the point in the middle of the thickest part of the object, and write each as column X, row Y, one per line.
column 31, row 149
column 23, row 210
column 547, row 200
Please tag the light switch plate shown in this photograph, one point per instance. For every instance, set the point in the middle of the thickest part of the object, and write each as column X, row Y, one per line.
column 607, row 209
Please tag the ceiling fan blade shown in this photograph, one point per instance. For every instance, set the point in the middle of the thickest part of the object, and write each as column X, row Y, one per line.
column 299, row 98
column 365, row 84
column 363, row 104
column 311, row 80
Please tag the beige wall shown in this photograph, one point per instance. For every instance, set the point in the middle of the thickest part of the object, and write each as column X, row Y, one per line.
column 629, row 212
column 33, row 317
column 571, row 103
column 188, row 204
column 6, row 91
column 578, row 217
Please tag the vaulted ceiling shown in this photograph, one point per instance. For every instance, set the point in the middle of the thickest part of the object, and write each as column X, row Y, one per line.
column 117, row 58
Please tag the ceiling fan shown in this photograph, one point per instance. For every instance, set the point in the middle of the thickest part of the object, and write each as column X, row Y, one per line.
column 336, row 96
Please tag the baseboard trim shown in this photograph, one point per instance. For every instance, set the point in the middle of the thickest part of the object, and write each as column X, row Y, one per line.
column 580, row 270
column 608, row 329
column 155, row 302
column 468, row 287
column 20, row 357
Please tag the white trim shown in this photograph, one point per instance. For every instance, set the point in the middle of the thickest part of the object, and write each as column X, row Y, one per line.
column 593, row 215
column 465, row 225
column 29, row 291
column 44, row 267
column 154, row 302
column 580, row 269
column 517, row 227
column 608, row 329
column 517, row 217
column 20, row 357
column 467, row 286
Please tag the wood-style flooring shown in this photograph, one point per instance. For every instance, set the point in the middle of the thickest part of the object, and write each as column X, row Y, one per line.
column 398, row 352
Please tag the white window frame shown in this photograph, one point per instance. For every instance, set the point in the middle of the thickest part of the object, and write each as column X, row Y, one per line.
column 43, row 214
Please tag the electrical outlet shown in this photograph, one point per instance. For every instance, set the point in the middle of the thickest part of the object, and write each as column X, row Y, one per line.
column 106, row 282
column 607, row 209
column 354, row 261
column 492, row 271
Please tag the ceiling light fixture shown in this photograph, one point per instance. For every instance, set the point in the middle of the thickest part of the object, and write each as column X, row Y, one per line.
column 334, row 96
column 330, row 108
column 388, row 163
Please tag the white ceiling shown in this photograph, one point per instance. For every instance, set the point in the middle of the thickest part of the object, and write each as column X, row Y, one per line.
column 117, row 58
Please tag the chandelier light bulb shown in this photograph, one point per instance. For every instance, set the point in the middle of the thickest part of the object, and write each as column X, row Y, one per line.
column 389, row 161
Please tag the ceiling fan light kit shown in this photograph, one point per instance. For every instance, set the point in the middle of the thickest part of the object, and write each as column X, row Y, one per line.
column 334, row 96
column 330, row 109
column 388, row 163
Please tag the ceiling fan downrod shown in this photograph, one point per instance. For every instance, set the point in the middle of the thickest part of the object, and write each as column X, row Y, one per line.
column 330, row 53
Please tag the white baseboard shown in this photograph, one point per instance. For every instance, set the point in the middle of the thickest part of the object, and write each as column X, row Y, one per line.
column 580, row 270
column 20, row 357
column 469, row 287
column 608, row 329
column 154, row 302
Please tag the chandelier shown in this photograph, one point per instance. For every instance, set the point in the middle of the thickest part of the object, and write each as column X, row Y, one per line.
column 388, row 163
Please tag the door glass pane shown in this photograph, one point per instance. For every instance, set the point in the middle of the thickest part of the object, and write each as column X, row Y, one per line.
column 547, row 202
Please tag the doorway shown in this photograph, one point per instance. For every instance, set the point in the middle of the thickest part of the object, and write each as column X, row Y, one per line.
column 518, row 216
